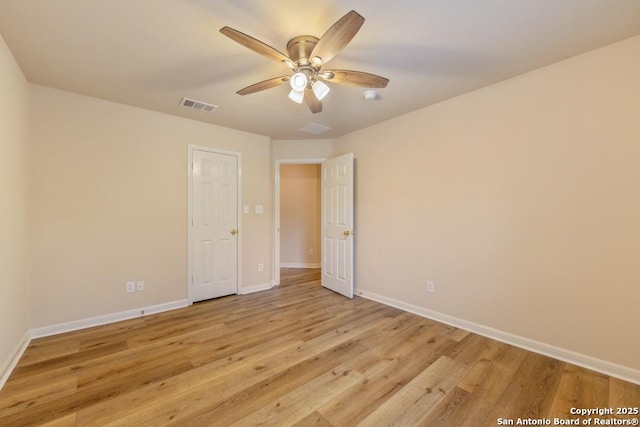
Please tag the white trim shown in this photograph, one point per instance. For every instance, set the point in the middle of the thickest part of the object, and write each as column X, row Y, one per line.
column 276, row 204
column 612, row 369
column 14, row 358
column 238, row 155
column 75, row 325
column 245, row 290
column 300, row 264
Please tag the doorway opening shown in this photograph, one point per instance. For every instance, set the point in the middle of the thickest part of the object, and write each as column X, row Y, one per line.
column 297, row 215
column 336, row 222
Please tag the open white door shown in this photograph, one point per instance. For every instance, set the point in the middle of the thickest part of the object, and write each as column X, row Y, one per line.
column 337, row 224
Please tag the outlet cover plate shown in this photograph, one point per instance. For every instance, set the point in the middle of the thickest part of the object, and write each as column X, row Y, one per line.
column 431, row 287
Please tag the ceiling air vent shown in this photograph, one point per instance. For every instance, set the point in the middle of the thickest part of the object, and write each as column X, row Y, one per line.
column 198, row 105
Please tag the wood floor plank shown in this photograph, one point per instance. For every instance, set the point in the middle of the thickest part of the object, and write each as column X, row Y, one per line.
column 246, row 339
column 256, row 397
column 391, row 373
column 21, row 400
column 40, row 350
column 130, row 361
column 314, row 419
column 579, row 384
column 77, row 360
column 325, row 342
column 388, row 336
column 297, row 354
column 622, row 393
column 170, row 403
column 410, row 405
column 491, row 374
column 477, row 393
column 531, row 392
column 106, row 390
column 294, row 406
column 455, row 410
column 66, row 421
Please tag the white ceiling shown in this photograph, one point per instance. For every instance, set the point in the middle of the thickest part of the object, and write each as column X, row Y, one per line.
column 152, row 53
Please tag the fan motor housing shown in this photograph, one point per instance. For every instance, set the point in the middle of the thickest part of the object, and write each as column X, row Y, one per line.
column 300, row 48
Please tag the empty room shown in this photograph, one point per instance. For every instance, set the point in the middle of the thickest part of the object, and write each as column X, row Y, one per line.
column 339, row 213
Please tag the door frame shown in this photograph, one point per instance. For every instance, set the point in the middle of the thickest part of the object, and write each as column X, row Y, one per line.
column 276, row 204
column 191, row 148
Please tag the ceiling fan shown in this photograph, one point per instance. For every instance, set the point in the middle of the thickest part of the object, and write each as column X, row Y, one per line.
column 306, row 57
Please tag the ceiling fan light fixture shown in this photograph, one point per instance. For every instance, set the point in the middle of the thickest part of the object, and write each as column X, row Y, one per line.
column 320, row 89
column 305, row 56
column 296, row 96
column 298, row 82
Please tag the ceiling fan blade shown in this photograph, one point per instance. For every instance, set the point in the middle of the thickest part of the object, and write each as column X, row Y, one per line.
column 312, row 101
column 266, row 84
column 255, row 45
column 358, row 78
column 338, row 36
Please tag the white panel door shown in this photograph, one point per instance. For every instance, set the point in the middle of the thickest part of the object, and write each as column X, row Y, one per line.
column 214, row 210
column 337, row 224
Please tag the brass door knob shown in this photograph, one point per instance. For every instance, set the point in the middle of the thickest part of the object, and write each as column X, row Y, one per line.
column 234, row 232
column 347, row 233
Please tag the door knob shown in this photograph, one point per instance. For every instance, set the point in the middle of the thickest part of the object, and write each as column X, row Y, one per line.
column 234, row 232
column 347, row 233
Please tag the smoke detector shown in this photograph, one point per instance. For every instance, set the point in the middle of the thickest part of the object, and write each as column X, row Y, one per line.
column 370, row 95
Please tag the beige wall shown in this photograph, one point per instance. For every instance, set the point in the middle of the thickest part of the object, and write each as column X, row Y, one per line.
column 14, row 183
column 109, row 204
column 300, row 215
column 520, row 201
column 298, row 149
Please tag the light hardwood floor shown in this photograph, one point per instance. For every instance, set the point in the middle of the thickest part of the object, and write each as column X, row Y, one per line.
column 295, row 355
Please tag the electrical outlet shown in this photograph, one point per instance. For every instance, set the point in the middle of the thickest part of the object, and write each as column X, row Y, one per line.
column 131, row 286
column 140, row 285
column 431, row 287
column 310, row 251
column 260, row 267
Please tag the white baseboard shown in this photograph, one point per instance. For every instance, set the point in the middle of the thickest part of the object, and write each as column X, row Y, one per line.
column 256, row 288
column 105, row 319
column 10, row 364
column 300, row 264
column 599, row 365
